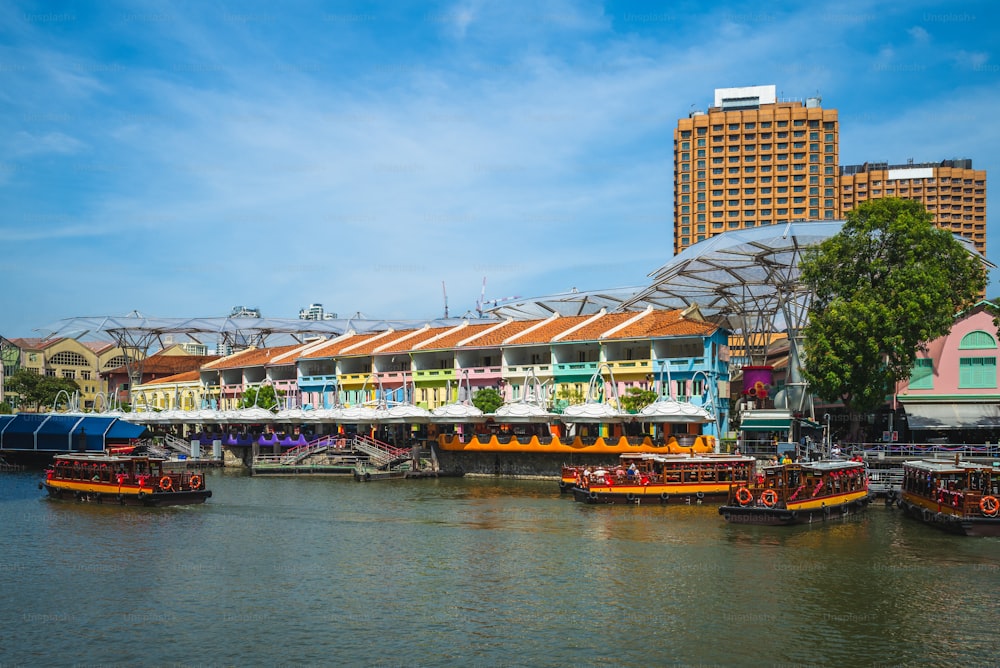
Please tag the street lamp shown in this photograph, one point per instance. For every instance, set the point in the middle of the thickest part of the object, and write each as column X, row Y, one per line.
column 713, row 405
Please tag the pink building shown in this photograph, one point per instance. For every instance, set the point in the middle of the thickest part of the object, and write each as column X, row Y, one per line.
column 952, row 391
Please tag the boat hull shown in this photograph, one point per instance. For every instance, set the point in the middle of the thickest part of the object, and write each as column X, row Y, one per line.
column 806, row 514
column 639, row 494
column 945, row 518
column 124, row 497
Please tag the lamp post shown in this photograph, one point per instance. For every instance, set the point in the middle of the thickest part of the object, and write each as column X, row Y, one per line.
column 713, row 405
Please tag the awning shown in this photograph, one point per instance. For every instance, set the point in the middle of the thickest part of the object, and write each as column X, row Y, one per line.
column 952, row 416
column 766, row 421
column 63, row 432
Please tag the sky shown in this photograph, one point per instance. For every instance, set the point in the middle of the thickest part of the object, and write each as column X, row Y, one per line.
column 181, row 158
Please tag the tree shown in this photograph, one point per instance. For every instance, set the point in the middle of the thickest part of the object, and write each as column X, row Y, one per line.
column 487, row 400
column 262, row 396
column 884, row 286
column 38, row 391
column 636, row 399
column 567, row 395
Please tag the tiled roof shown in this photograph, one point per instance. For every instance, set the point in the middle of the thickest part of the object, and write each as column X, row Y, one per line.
column 186, row 377
column 663, row 323
column 550, row 330
column 493, row 339
column 97, row 347
column 334, row 346
column 369, row 346
column 592, row 330
column 169, row 364
column 33, row 343
column 252, row 357
column 413, row 342
column 451, row 340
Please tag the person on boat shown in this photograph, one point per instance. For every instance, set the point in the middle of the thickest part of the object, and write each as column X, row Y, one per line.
column 786, row 459
column 632, row 470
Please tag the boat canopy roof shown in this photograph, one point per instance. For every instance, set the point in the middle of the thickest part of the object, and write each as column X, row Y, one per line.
column 945, row 466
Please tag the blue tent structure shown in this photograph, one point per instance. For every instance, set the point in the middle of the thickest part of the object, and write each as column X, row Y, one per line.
column 64, row 432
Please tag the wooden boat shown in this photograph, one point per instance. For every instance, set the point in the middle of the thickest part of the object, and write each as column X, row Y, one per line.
column 654, row 478
column 125, row 480
column 959, row 497
column 799, row 494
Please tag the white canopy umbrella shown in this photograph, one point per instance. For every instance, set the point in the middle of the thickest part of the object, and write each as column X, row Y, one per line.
column 252, row 414
column 457, row 413
column 522, row 412
column 593, row 412
column 671, row 410
column 405, row 414
column 359, row 415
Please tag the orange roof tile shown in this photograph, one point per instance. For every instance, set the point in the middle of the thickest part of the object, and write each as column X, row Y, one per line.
column 369, row 346
column 493, row 339
column 169, row 364
column 454, row 338
column 663, row 323
column 412, row 343
column 252, row 357
column 591, row 331
column 550, row 330
column 333, row 346
column 186, row 377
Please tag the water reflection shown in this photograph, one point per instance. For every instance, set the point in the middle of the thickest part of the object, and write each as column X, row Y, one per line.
column 480, row 571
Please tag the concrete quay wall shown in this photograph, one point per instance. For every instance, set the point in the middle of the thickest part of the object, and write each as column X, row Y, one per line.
column 516, row 464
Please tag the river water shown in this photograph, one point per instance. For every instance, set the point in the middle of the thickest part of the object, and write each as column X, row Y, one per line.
column 476, row 572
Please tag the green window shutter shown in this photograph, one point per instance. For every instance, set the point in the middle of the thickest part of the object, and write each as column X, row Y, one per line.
column 977, row 372
column 922, row 375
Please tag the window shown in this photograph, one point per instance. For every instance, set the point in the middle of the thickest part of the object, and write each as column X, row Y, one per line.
column 68, row 358
column 978, row 340
column 977, row 372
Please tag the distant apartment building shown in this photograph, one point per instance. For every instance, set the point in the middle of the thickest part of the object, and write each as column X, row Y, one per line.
column 316, row 312
column 753, row 159
column 952, row 191
column 244, row 312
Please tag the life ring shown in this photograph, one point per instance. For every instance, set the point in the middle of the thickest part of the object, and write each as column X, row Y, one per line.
column 989, row 505
column 769, row 497
column 166, row 484
column 195, row 481
column 743, row 496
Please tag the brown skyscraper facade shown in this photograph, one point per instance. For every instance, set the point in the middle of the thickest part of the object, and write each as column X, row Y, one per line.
column 952, row 191
column 753, row 160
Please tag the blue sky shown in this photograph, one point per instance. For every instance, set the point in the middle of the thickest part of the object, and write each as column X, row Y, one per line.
column 180, row 158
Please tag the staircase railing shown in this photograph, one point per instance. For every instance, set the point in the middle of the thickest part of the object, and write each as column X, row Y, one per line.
column 379, row 453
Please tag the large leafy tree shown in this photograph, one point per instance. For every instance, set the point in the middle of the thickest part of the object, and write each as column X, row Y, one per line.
column 487, row 400
column 884, row 286
column 262, row 396
column 39, row 391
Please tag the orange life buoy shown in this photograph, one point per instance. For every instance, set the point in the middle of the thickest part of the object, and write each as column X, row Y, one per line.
column 769, row 498
column 990, row 506
column 195, row 481
column 166, row 483
column 743, row 496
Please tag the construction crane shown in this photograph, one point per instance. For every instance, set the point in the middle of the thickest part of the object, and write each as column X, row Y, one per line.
column 445, row 291
column 481, row 304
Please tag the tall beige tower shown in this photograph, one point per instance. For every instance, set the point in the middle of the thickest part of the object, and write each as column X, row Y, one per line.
column 753, row 160
column 952, row 191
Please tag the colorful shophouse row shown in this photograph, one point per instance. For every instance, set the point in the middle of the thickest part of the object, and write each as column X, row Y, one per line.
column 676, row 352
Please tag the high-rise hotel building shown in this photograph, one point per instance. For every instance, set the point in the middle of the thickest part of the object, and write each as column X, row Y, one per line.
column 752, row 160
column 952, row 191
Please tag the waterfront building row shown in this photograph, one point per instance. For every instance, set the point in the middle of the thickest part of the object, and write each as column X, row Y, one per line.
column 677, row 352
